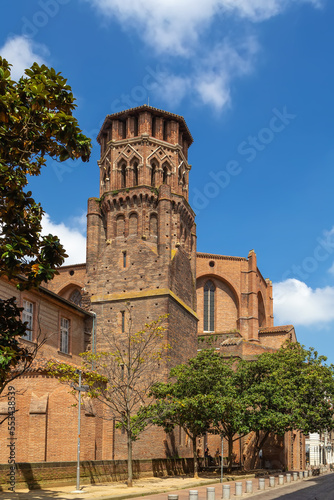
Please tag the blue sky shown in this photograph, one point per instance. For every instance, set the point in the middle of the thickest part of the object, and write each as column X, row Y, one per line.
column 253, row 79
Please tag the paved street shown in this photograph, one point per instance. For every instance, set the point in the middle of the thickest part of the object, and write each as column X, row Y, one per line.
column 320, row 488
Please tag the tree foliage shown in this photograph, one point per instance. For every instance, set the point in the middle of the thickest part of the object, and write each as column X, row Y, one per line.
column 291, row 388
column 189, row 397
column 36, row 122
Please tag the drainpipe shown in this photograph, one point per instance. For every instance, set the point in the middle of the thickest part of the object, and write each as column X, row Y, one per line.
column 93, row 339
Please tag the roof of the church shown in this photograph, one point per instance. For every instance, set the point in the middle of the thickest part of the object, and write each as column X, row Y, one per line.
column 276, row 329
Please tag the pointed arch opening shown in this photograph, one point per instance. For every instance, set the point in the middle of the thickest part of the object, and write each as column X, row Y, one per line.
column 153, row 174
column 165, row 174
column 135, row 174
column 209, row 306
column 76, row 297
column 261, row 310
column 123, row 175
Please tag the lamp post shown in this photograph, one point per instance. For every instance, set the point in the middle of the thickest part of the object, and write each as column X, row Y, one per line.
column 80, row 388
column 221, row 463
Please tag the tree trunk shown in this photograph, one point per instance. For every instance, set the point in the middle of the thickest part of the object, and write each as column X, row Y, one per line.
column 130, row 475
column 195, row 457
column 230, row 453
column 258, row 446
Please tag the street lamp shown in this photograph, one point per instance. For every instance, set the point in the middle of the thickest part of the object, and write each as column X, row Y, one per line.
column 80, row 388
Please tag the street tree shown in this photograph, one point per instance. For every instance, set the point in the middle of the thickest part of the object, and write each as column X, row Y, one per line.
column 192, row 397
column 290, row 389
column 121, row 375
column 230, row 412
column 36, row 123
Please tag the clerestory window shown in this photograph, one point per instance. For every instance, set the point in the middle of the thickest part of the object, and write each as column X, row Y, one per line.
column 209, row 307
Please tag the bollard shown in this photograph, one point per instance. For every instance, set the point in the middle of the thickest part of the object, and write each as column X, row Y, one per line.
column 280, row 479
column 301, row 475
column 249, row 486
column 310, row 473
column 193, row 495
column 295, row 476
column 271, row 481
column 261, row 483
column 173, row 497
column 288, row 478
column 238, row 488
column 226, row 492
column 210, row 493
column 305, row 473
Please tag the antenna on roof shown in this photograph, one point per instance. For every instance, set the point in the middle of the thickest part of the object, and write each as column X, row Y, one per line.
column 148, row 100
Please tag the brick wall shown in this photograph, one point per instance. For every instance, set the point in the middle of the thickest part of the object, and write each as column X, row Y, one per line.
column 36, row 475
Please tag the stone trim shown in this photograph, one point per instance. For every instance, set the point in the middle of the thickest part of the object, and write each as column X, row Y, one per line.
column 161, row 292
column 219, row 257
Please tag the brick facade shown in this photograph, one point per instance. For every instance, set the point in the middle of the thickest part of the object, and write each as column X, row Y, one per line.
column 141, row 249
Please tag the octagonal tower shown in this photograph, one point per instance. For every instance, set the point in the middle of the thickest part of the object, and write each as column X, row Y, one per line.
column 141, row 233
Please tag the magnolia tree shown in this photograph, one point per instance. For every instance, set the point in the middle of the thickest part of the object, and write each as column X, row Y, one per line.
column 36, row 123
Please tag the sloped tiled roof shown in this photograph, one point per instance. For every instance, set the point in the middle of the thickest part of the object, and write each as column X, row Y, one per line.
column 232, row 341
column 277, row 329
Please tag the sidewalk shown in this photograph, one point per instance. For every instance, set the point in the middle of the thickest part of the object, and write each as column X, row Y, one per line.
column 146, row 487
column 143, row 489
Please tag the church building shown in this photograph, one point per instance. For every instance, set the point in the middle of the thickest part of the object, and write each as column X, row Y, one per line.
column 141, row 249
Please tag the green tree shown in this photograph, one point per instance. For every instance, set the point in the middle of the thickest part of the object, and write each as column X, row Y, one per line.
column 230, row 413
column 121, row 375
column 36, row 122
column 290, row 389
column 191, row 399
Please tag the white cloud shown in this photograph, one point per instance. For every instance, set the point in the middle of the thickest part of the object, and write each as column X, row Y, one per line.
column 299, row 304
column 70, row 237
column 180, row 29
column 22, row 52
column 210, row 76
column 174, row 26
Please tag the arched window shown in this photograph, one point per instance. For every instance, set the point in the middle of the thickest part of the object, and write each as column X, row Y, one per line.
column 261, row 311
column 135, row 122
column 135, row 174
column 153, row 174
column 75, row 297
column 209, row 307
column 154, row 126
column 120, row 226
column 123, row 175
column 133, row 225
column 165, row 175
column 153, row 225
column 165, row 131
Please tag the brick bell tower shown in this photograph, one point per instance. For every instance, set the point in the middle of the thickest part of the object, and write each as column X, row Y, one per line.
column 141, row 233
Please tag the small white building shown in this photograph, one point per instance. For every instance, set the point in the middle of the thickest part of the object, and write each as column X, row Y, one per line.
column 320, row 448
